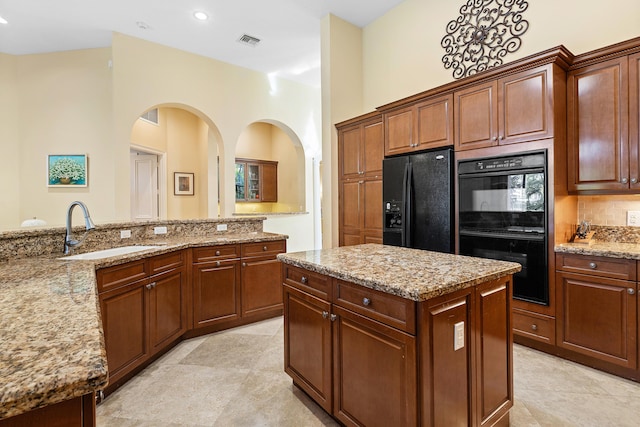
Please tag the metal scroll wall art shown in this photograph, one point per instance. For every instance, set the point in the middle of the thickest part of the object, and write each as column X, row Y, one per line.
column 484, row 33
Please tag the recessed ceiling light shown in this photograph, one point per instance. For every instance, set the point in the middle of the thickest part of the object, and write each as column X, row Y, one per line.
column 200, row 16
column 3, row 21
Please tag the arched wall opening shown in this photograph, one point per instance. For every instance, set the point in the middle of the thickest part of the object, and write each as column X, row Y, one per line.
column 271, row 141
column 190, row 145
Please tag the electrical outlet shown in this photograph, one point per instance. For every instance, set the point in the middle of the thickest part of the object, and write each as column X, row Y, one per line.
column 221, row 227
column 458, row 336
column 125, row 234
column 633, row 218
column 159, row 230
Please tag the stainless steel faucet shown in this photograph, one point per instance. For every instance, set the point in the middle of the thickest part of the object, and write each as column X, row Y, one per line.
column 68, row 241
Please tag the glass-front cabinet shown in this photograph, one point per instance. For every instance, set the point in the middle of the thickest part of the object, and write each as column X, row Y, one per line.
column 256, row 181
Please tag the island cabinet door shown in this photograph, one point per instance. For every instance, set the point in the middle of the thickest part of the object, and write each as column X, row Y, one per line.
column 445, row 363
column 374, row 372
column 261, row 286
column 216, row 292
column 307, row 337
column 494, row 351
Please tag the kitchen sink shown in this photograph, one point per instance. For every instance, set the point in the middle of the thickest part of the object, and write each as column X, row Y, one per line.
column 106, row 253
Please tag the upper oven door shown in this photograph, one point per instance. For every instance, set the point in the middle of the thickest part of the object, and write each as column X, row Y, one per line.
column 512, row 201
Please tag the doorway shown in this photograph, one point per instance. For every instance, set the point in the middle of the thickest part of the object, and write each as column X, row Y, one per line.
column 147, row 185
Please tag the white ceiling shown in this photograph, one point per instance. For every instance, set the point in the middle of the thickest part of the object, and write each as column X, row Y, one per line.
column 289, row 30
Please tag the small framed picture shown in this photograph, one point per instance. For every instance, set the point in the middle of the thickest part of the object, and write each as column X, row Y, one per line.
column 183, row 184
column 67, row 170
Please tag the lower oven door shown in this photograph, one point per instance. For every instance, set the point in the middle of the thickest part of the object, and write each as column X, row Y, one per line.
column 529, row 284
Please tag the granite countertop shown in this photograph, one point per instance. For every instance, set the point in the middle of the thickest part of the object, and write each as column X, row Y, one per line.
column 51, row 338
column 409, row 273
column 602, row 248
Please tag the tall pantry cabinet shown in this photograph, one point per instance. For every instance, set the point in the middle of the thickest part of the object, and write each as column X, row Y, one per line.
column 360, row 154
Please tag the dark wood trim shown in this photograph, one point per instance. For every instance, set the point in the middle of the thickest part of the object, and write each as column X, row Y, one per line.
column 624, row 48
column 373, row 115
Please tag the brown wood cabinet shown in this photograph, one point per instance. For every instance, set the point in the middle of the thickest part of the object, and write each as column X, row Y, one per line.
column 512, row 109
column 597, row 308
column 338, row 335
column 76, row 412
column 360, row 154
column 216, row 284
column 141, row 316
column 600, row 156
column 261, row 278
column 424, row 125
column 256, row 180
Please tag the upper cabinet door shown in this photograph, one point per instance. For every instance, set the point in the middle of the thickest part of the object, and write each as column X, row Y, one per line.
column 634, row 121
column 435, row 122
column 349, row 141
column 399, row 130
column 598, row 146
column 525, row 106
column 373, row 148
column 476, row 116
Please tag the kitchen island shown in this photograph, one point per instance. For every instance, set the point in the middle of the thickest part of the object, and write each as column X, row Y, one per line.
column 52, row 332
column 382, row 335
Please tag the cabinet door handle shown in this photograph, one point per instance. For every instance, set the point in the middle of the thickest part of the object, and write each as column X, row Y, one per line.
column 333, row 317
column 625, row 180
column 495, row 138
column 593, row 265
column 151, row 285
column 217, row 253
column 244, row 264
column 501, row 137
column 631, row 291
column 217, row 263
column 325, row 314
column 366, row 301
column 303, row 280
column 634, row 180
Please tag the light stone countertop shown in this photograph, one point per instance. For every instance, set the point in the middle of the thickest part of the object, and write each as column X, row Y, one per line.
column 409, row 273
column 51, row 337
column 601, row 248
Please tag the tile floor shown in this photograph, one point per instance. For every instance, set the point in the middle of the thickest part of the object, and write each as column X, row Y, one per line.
column 236, row 378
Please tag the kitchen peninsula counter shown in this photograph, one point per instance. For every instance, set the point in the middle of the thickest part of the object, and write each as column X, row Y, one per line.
column 51, row 336
column 383, row 335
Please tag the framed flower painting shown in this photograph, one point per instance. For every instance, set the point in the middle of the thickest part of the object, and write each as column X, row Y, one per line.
column 67, row 170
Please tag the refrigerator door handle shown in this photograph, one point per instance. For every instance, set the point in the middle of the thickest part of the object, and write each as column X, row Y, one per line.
column 403, row 213
column 408, row 203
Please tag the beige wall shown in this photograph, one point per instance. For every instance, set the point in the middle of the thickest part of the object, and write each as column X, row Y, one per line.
column 402, row 53
column 10, row 144
column 342, row 98
column 64, row 107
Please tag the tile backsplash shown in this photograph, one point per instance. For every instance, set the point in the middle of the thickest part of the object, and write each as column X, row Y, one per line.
column 607, row 210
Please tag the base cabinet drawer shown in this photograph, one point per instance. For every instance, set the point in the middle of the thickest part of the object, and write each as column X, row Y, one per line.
column 535, row 326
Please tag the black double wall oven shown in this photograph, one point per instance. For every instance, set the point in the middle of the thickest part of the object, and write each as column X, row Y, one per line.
column 503, row 214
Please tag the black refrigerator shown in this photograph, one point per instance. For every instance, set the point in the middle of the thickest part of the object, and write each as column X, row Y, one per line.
column 417, row 194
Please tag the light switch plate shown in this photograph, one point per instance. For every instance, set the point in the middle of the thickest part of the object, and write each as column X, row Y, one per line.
column 221, row 227
column 458, row 336
column 633, row 218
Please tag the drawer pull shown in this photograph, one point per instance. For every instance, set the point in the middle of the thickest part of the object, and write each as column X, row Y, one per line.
column 217, row 263
column 303, row 280
column 325, row 314
column 264, row 248
column 593, row 265
column 217, row 253
column 534, row 327
column 366, row 301
column 631, row 291
column 244, row 264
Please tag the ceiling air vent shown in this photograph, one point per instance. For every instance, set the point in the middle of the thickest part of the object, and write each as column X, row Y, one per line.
column 249, row 40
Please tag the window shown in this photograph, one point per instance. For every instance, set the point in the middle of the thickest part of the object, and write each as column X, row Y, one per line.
column 151, row 116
